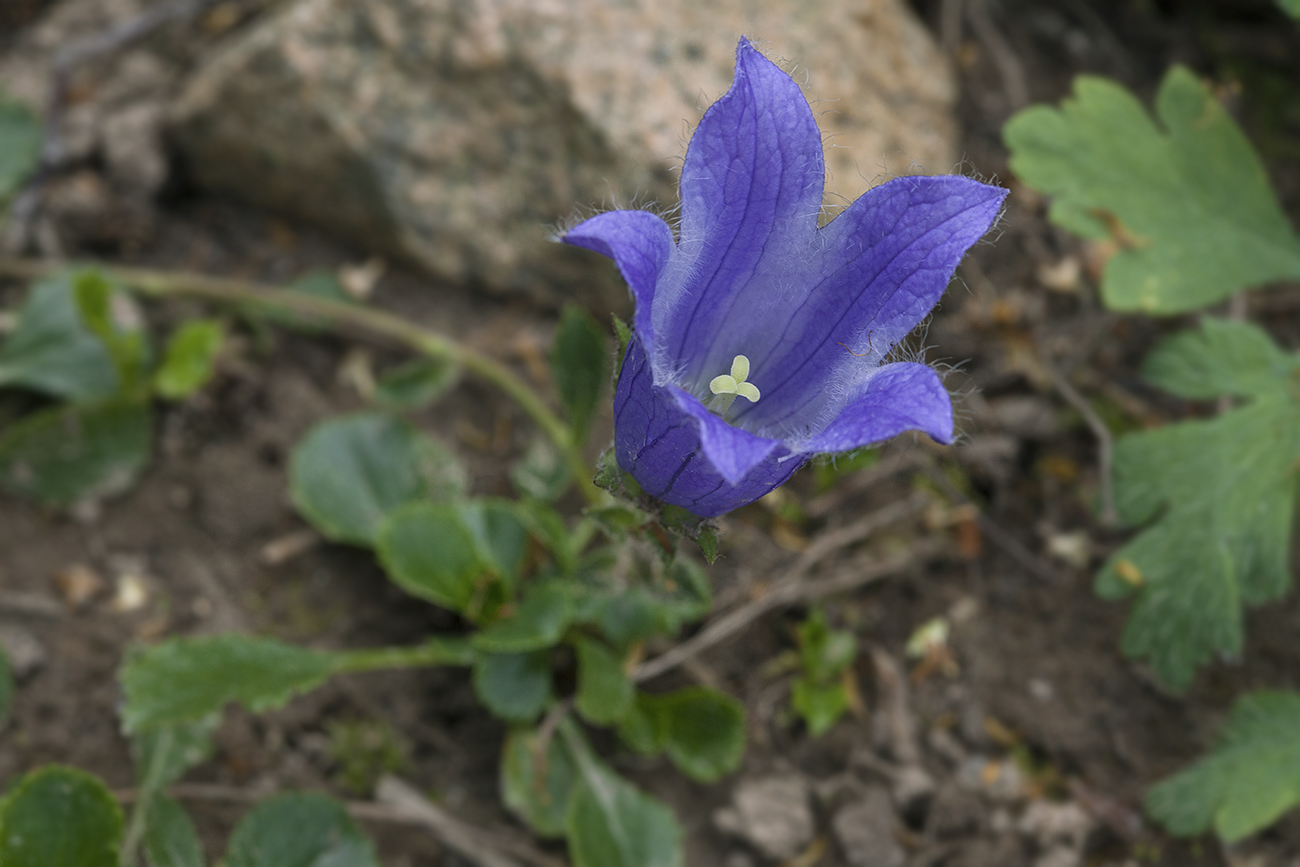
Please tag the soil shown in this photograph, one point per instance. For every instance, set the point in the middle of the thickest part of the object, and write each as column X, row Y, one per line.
column 1037, row 690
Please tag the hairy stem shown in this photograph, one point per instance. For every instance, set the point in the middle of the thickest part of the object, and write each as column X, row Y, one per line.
column 181, row 284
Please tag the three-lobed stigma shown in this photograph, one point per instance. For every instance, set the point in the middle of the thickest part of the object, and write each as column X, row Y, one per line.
column 727, row 387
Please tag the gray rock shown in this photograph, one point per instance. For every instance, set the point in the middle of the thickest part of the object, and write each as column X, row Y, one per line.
column 772, row 814
column 454, row 135
column 865, row 831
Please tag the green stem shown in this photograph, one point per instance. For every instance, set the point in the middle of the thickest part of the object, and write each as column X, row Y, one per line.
column 180, row 284
column 437, row 651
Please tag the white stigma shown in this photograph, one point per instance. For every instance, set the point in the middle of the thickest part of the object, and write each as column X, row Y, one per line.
column 727, row 387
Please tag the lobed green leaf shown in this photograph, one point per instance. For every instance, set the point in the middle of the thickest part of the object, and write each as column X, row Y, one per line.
column 1251, row 777
column 1183, row 195
column 1218, row 536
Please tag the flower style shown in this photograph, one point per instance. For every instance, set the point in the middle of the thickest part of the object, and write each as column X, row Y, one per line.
column 760, row 338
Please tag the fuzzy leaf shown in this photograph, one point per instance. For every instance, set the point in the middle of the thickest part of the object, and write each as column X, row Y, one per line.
column 604, row 690
column 20, row 144
column 350, row 472
column 52, row 352
column 541, row 803
column 60, row 817
column 428, row 551
column 1184, row 196
column 610, row 823
column 415, row 384
column 76, row 451
column 299, row 830
column 170, row 839
column 1219, row 496
column 514, row 686
column 1250, row 778
column 578, row 360
column 537, row 622
column 189, row 360
column 183, row 680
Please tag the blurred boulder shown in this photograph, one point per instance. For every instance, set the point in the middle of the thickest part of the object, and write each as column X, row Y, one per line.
column 455, row 135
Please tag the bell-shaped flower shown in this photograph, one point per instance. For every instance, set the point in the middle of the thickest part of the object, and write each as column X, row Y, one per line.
column 760, row 338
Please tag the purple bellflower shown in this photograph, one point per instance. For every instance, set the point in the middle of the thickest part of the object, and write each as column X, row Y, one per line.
column 760, row 338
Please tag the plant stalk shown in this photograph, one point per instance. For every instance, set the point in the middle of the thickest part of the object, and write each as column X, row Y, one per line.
column 219, row 290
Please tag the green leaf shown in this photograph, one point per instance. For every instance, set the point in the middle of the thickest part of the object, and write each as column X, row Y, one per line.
column 299, row 830
column 703, row 731
column 542, row 473
column 60, row 817
column 1221, row 493
column 350, row 472
column 1290, row 7
column 499, row 534
column 1223, row 357
column 100, row 304
column 824, row 652
column 514, row 686
column 324, row 285
column 642, row 728
column 549, row 528
column 428, row 551
column 539, row 621
column 819, row 704
column 604, row 690
column 1250, row 778
column 74, row 452
column 535, row 786
column 51, row 351
column 20, row 144
column 578, row 360
column 612, row 824
column 190, row 358
column 415, row 384
column 171, row 839
column 163, row 754
column 6, row 688
column 1186, row 198
column 183, row 680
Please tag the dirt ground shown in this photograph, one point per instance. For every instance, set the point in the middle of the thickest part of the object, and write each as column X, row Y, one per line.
column 1039, row 707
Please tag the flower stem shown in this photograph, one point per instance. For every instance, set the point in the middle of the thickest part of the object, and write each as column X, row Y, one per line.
column 181, row 284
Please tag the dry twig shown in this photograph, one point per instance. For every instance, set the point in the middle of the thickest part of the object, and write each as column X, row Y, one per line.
column 790, row 590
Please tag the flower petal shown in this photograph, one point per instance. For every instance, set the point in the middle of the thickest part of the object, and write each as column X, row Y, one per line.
column 899, row 397
column 751, row 194
column 640, row 244
column 880, row 268
column 732, row 451
column 663, row 447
